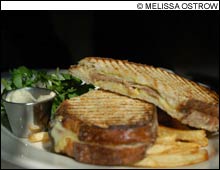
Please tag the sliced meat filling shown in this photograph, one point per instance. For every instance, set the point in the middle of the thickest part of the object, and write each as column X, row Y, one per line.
column 150, row 91
column 193, row 112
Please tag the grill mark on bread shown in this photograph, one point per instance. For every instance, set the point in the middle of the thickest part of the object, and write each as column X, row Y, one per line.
column 168, row 76
column 164, row 83
column 122, row 142
column 123, row 117
column 104, row 118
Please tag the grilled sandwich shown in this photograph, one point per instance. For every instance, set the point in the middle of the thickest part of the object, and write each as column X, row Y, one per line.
column 184, row 100
column 104, row 128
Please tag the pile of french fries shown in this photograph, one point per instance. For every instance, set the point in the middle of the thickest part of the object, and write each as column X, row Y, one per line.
column 173, row 147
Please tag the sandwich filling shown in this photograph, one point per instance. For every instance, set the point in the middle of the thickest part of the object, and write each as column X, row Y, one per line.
column 186, row 112
column 182, row 99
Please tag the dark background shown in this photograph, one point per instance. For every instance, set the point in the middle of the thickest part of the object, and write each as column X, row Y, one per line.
column 186, row 42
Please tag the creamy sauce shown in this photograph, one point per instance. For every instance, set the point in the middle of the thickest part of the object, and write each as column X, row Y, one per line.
column 24, row 96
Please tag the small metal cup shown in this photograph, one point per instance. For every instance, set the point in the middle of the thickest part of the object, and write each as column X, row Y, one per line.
column 23, row 116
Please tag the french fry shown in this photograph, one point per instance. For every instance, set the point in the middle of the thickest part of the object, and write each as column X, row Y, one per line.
column 173, row 159
column 166, row 139
column 173, row 148
column 196, row 136
column 39, row 137
column 35, row 128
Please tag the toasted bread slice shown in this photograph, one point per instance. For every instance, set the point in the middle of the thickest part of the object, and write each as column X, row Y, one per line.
column 66, row 142
column 108, row 118
column 103, row 155
column 184, row 100
column 104, row 128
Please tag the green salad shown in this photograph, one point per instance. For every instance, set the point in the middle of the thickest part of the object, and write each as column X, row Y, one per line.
column 65, row 85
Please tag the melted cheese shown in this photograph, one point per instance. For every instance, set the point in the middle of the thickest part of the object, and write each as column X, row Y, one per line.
column 165, row 104
column 60, row 134
column 136, row 91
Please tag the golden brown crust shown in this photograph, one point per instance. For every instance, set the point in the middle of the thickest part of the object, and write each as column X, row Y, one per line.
column 113, row 135
column 196, row 88
column 166, row 90
column 103, row 109
column 117, row 135
column 102, row 155
column 143, row 130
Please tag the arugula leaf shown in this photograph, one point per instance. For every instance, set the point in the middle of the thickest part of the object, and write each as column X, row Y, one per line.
column 65, row 85
column 17, row 80
column 6, row 84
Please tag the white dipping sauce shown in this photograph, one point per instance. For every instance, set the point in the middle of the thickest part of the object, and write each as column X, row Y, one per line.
column 24, row 96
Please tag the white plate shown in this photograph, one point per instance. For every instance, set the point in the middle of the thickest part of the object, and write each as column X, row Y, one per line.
column 27, row 155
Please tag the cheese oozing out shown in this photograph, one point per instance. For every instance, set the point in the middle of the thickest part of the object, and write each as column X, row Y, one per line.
column 60, row 134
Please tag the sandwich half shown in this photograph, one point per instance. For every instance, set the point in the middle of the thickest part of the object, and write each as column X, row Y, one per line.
column 104, row 128
column 184, row 100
